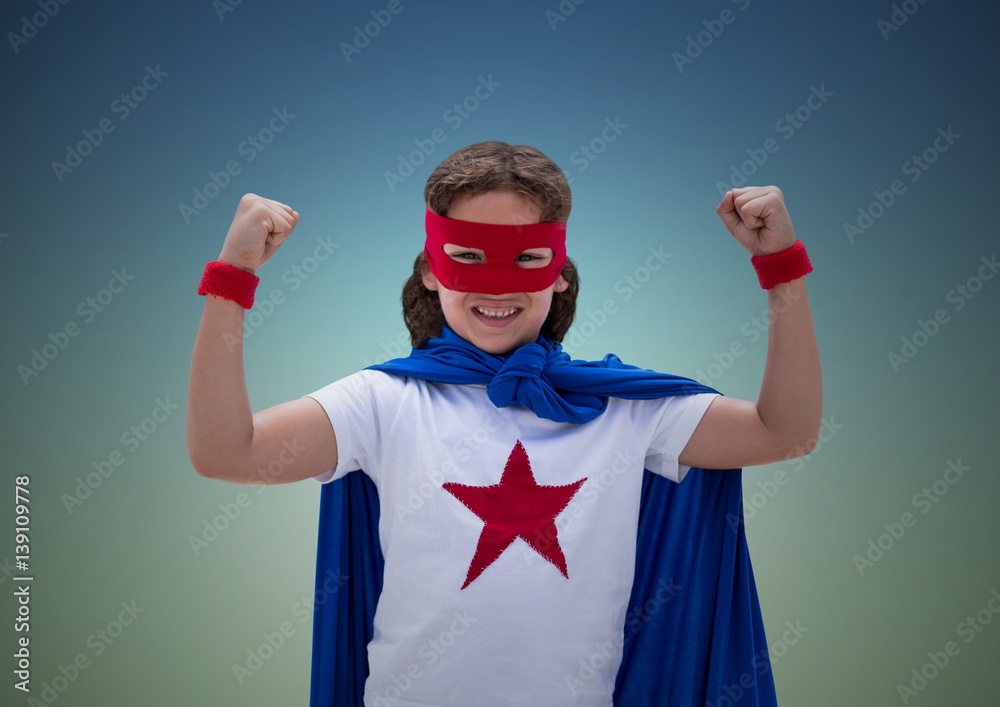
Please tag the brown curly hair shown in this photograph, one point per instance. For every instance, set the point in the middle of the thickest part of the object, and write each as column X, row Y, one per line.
column 479, row 168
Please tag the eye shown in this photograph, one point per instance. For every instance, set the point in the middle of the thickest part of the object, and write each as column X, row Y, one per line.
column 464, row 254
column 468, row 255
column 535, row 258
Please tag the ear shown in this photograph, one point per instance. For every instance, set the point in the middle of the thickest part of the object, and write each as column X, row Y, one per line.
column 561, row 285
column 427, row 277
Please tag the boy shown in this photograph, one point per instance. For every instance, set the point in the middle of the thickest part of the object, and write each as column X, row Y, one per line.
column 559, row 465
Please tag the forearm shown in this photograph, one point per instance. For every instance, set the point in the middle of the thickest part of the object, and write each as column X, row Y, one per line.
column 219, row 419
column 791, row 395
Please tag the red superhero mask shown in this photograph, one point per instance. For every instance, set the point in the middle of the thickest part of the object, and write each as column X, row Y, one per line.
column 500, row 274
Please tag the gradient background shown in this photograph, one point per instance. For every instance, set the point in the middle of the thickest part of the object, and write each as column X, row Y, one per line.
column 653, row 186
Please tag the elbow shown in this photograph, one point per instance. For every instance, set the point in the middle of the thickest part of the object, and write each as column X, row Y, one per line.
column 206, row 468
column 809, row 445
column 804, row 444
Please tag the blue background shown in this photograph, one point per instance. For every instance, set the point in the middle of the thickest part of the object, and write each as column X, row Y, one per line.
column 692, row 108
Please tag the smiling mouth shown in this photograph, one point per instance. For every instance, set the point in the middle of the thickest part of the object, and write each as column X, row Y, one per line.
column 496, row 316
column 497, row 313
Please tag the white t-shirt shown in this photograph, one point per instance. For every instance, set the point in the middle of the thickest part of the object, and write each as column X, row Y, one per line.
column 521, row 632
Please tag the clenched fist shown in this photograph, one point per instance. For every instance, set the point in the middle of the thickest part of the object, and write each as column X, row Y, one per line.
column 258, row 229
column 758, row 219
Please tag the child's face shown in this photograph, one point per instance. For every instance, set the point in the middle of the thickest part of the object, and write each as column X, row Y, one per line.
column 464, row 311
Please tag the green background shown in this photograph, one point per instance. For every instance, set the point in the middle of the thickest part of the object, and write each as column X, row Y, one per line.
column 890, row 433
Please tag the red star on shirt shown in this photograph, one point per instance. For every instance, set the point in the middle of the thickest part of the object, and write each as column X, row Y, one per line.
column 517, row 507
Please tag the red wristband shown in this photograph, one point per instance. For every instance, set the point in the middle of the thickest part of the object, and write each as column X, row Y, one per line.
column 230, row 282
column 783, row 266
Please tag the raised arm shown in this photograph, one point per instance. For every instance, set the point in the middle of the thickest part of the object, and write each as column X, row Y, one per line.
column 784, row 422
column 284, row 443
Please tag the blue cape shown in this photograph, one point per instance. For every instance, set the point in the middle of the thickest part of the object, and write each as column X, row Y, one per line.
column 693, row 633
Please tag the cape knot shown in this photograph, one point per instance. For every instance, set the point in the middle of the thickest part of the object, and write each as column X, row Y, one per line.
column 524, row 367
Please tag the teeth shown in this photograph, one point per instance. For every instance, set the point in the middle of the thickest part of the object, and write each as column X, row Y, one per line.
column 496, row 313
